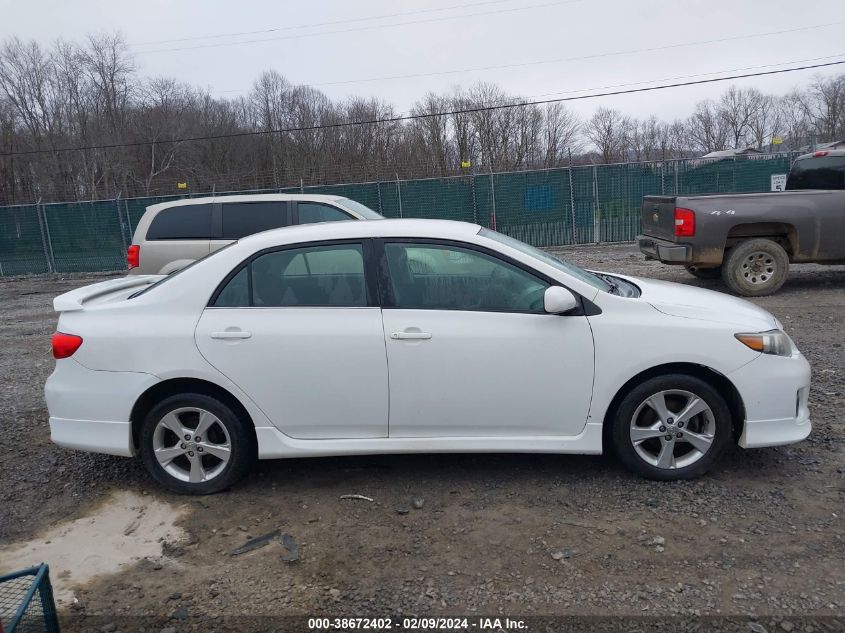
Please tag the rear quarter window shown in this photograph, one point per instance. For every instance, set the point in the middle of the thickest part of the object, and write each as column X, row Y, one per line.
column 188, row 222
column 313, row 212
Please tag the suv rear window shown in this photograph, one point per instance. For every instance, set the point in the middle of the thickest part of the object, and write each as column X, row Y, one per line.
column 188, row 222
column 824, row 172
column 245, row 218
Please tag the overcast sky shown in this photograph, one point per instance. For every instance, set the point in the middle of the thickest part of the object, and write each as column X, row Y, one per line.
column 428, row 39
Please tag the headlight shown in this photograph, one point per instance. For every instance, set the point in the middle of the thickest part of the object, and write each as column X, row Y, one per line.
column 771, row 342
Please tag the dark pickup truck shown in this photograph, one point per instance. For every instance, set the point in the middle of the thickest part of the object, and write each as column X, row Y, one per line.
column 750, row 239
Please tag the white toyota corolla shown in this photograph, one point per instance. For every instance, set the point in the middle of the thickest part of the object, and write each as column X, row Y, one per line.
column 399, row 336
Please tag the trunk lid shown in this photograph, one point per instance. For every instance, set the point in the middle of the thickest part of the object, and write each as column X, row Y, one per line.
column 103, row 292
column 658, row 216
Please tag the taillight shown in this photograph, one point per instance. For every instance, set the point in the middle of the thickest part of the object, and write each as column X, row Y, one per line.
column 133, row 256
column 684, row 222
column 64, row 345
column 820, row 154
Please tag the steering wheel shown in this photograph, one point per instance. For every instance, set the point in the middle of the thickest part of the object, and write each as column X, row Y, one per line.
column 534, row 297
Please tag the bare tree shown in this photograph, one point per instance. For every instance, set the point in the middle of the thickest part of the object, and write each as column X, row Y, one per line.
column 707, row 129
column 562, row 135
column 493, row 128
column 765, row 123
column 737, row 108
column 89, row 95
column 645, row 138
column 608, row 130
column 825, row 105
column 795, row 119
column 429, row 136
column 466, row 142
column 162, row 118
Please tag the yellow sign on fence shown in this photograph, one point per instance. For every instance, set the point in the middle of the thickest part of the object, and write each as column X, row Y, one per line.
column 466, row 163
column 777, row 140
column 181, row 185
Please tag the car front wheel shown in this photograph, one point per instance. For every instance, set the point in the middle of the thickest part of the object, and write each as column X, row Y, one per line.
column 195, row 444
column 671, row 427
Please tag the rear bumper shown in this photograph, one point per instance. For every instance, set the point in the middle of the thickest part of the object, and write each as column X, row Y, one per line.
column 111, row 438
column 664, row 250
column 91, row 410
column 775, row 392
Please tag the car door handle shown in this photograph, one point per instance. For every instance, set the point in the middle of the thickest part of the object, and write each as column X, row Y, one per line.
column 230, row 334
column 410, row 336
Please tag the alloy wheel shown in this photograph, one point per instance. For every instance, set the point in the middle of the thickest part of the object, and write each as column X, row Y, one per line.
column 672, row 429
column 192, row 444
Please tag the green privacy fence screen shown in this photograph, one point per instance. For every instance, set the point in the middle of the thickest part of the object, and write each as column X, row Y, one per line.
column 549, row 207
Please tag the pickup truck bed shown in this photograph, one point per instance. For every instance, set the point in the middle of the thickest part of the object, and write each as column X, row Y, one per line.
column 707, row 234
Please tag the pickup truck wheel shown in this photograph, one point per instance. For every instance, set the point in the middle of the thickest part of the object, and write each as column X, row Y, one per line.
column 755, row 267
column 705, row 273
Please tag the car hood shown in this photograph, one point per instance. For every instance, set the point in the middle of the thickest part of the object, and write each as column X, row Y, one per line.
column 690, row 302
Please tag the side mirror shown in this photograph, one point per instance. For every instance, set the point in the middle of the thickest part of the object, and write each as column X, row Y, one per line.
column 558, row 300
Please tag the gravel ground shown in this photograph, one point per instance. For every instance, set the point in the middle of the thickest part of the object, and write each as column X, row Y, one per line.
column 463, row 534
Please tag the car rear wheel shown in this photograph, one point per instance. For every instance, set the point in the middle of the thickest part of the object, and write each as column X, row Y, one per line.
column 671, row 427
column 705, row 273
column 755, row 267
column 195, row 444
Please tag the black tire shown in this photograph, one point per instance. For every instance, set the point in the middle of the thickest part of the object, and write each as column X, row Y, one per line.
column 232, row 432
column 705, row 273
column 755, row 267
column 716, row 424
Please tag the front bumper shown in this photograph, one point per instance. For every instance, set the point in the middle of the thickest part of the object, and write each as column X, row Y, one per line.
column 775, row 392
column 91, row 410
column 664, row 250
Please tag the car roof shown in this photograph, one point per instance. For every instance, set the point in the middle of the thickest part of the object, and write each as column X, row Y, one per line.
column 440, row 229
column 247, row 197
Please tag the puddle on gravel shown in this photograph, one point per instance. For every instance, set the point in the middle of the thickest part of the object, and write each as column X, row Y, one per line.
column 124, row 529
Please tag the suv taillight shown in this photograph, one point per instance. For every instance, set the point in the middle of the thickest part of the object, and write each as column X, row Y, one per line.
column 64, row 345
column 133, row 256
column 684, row 222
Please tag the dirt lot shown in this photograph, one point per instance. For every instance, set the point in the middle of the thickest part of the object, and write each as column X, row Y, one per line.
column 458, row 534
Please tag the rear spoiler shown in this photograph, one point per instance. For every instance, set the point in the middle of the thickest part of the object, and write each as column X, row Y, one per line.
column 73, row 300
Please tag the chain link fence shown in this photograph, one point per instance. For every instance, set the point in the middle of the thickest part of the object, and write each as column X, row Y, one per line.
column 549, row 207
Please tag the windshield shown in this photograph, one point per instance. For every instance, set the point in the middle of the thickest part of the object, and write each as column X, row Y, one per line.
column 176, row 273
column 364, row 211
column 551, row 260
column 822, row 172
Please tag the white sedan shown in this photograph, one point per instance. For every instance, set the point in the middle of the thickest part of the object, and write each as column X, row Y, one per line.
column 401, row 336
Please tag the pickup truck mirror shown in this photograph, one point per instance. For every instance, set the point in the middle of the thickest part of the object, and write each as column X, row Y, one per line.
column 558, row 300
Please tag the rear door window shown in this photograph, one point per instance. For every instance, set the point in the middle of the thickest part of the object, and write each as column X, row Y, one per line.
column 186, row 222
column 245, row 218
column 330, row 275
